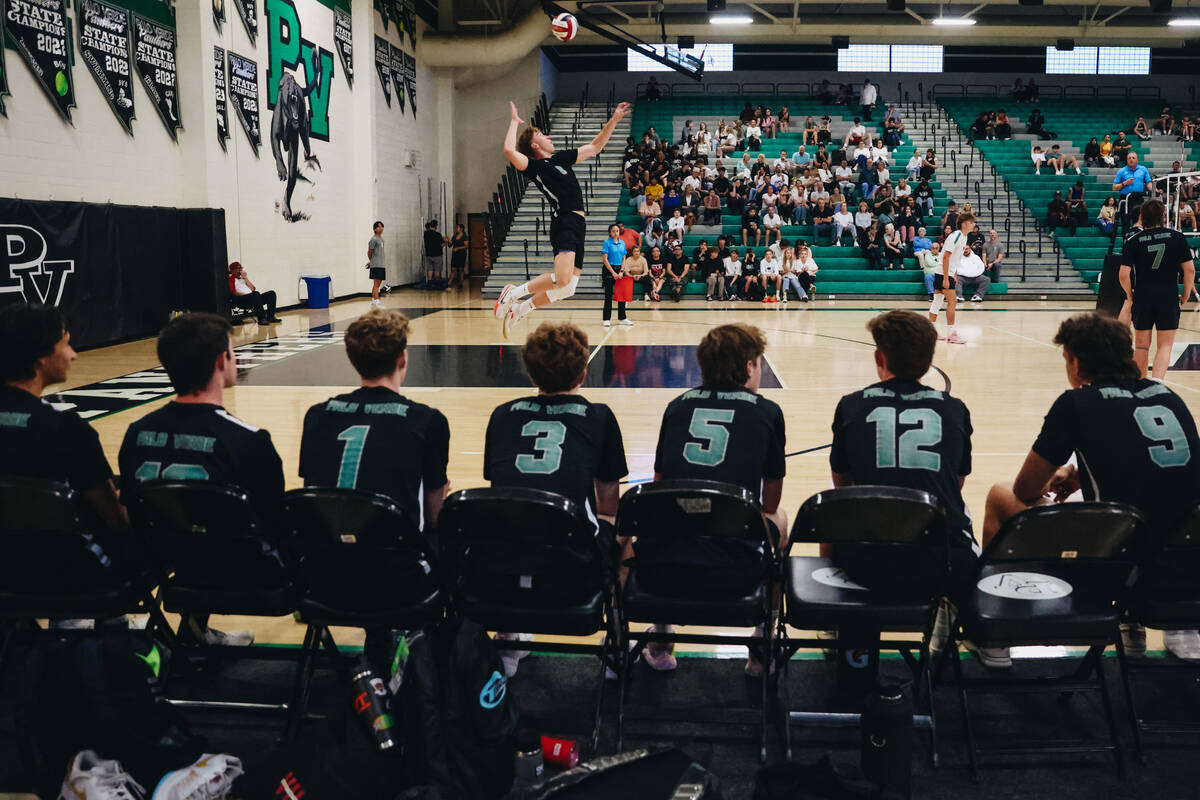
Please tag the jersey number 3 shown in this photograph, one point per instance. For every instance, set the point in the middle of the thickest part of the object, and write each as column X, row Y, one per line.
column 548, row 443
column 908, row 454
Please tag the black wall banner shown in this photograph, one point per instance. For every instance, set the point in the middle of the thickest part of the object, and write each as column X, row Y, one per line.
column 397, row 62
column 115, row 271
column 222, row 96
column 154, row 56
column 243, row 89
column 3, row 71
column 104, row 47
column 218, row 13
column 383, row 65
column 38, row 30
column 410, row 80
column 344, row 42
column 248, row 11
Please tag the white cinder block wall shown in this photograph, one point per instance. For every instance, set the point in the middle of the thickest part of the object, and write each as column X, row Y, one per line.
column 365, row 173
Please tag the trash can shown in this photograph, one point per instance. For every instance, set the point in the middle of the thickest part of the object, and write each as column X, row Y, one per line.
column 318, row 288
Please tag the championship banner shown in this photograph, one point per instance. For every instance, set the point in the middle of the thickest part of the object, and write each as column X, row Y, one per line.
column 222, row 96
column 104, row 47
column 218, row 13
column 38, row 31
column 248, row 11
column 243, row 88
column 397, row 69
column 344, row 42
column 3, row 72
column 154, row 56
column 410, row 80
column 383, row 65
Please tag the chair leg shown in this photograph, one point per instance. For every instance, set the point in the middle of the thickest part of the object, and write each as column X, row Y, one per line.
column 626, row 662
column 925, row 665
column 300, row 691
column 1110, row 718
column 604, row 654
column 966, row 714
column 1131, row 704
column 786, row 702
column 768, row 662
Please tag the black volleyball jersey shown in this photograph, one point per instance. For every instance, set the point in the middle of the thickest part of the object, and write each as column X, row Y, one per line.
column 902, row 433
column 201, row 441
column 376, row 440
column 1135, row 442
column 559, row 443
column 1156, row 256
column 555, row 178
column 40, row 441
column 727, row 434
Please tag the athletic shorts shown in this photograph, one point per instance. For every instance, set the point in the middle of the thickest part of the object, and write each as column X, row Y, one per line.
column 1159, row 311
column 567, row 234
column 378, row 274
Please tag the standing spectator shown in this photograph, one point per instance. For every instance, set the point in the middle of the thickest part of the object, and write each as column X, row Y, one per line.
column 843, row 222
column 653, row 92
column 1106, row 220
column 248, row 296
column 869, row 95
column 930, row 261
column 612, row 257
column 376, row 266
column 993, row 254
column 458, row 258
column 769, row 272
column 434, row 242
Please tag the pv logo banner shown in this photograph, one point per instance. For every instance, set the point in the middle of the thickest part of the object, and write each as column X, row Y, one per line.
column 25, row 269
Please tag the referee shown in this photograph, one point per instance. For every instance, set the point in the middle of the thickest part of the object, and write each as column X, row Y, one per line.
column 1156, row 255
column 1131, row 181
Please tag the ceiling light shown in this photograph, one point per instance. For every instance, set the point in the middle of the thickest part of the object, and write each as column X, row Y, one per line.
column 957, row 22
column 1185, row 22
column 730, row 20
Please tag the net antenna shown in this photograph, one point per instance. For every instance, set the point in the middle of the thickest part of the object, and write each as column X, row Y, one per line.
column 682, row 63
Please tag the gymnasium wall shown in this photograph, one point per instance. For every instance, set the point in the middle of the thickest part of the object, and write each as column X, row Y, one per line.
column 364, row 151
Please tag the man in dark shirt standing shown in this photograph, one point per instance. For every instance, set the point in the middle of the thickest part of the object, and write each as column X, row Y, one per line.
column 194, row 437
column 723, row 430
column 1156, row 255
column 1134, row 441
column 434, row 242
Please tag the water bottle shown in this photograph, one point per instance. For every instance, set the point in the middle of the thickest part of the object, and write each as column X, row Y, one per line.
column 529, row 767
column 887, row 739
column 371, row 701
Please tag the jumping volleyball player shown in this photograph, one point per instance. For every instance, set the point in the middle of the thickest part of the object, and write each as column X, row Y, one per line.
column 953, row 253
column 553, row 173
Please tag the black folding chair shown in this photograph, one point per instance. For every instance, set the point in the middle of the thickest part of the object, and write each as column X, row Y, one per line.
column 214, row 556
column 529, row 561
column 703, row 514
column 1166, row 597
column 1054, row 575
column 899, row 533
column 362, row 563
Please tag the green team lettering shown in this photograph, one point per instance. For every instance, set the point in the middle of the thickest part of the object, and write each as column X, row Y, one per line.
column 1159, row 250
column 708, row 424
column 547, row 443
column 1159, row 424
column 355, row 438
column 907, row 451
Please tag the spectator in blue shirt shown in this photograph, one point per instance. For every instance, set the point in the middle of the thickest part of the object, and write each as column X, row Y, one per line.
column 800, row 158
column 613, row 257
column 1131, row 181
column 920, row 242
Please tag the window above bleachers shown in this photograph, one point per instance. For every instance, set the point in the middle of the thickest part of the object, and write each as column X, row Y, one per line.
column 716, row 57
column 1098, row 61
column 890, row 58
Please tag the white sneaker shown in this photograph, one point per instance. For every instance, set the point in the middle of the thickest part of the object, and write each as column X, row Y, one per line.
column 511, row 658
column 510, row 320
column 508, row 296
column 384, row 288
column 991, row 657
column 976, row 299
column 1183, row 644
column 217, row 638
column 376, row 303
column 91, row 778
column 627, row 323
column 1059, row 172
column 1133, row 639
column 210, row 778
column 954, row 338
column 606, row 323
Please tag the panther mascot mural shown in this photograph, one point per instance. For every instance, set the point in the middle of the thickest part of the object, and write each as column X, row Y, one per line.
column 290, row 126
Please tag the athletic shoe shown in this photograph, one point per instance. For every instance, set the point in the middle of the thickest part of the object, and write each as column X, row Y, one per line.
column 273, row 320
column 1058, row 172
column 511, row 658
column 216, row 638
column 1183, row 644
column 91, row 778
column 954, row 338
column 785, row 299
column 508, row 296
column 606, row 323
column 384, row 288
column 660, row 660
column 941, row 337
column 72, row 624
column 210, row 778
column 976, row 299
column 708, row 297
column 509, row 322
column 1133, row 639
column 991, row 657
column 942, row 625
column 766, row 299
column 376, row 303
column 627, row 323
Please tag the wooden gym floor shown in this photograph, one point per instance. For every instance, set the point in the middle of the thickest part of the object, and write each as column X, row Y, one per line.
column 1008, row 374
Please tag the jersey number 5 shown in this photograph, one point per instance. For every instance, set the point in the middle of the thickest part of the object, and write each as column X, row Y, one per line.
column 548, row 443
column 708, row 424
column 908, row 454
column 1159, row 423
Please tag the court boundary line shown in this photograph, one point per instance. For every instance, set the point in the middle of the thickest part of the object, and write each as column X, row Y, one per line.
column 596, row 349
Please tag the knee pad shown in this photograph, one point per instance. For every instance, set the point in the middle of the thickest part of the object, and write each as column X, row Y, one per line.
column 936, row 304
column 563, row 292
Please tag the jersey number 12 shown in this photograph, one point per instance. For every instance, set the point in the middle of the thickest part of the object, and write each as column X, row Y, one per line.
column 907, row 453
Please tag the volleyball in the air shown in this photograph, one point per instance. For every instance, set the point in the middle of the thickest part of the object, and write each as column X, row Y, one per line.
column 565, row 27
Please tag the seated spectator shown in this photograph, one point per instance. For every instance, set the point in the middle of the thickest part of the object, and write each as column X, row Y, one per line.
column 637, row 267
column 1032, row 92
column 907, row 221
column 1018, row 91
column 721, row 184
column 856, row 135
column 728, row 142
column 843, row 222
column 1076, row 201
column 950, row 218
column 747, row 113
column 769, row 272
column 1058, row 214
column 1187, row 216
column 1187, row 128
column 1106, row 151
column 654, row 235
column 824, row 134
column 920, row 242
column 244, row 294
column 653, row 92
column 649, row 210
column 783, row 163
column 844, row 175
column 868, row 181
column 772, row 223
column 836, row 197
column 1166, row 122
column 1060, row 161
column 845, row 95
column 913, row 168
column 947, row 232
column 981, row 128
column 733, row 273
column 654, row 190
column 979, row 284
column 872, row 245
column 677, row 271
column 676, row 224
column 656, row 274
column 736, row 201
column 893, row 247
column 1091, row 153
column 712, row 208
column 1038, row 158
column 993, row 254
column 1002, row 125
column 885, row 176
column 806, row 271
column 1121, row 147
column 885, row 207
column 788, row 274
column 1106, row 220
column 754, row 136
column 930, row 262
column 751, row 226
column 818, row 193
column 902, row 190
column 784, row 120
column 862, row 220
column 822, row 220
column 929, row 164
column 810, row 131
column 768, row 124
column 893, row 127
column 1036, row 124
column 712, row 270
column 861, row 154
column 923, row 195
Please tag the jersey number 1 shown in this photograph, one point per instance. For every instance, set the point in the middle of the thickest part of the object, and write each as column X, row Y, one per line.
column 908, row 454
column 355, row 438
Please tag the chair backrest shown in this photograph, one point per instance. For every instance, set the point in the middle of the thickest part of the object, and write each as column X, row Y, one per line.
column 692, row 508
column 1068, row 532
column 517, row 517
column 871, row 515
column 34, row 506
column 1187, row 536
column 331, row 520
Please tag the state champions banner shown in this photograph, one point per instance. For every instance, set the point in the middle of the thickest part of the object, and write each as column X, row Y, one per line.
column 396, row 60
column 221, row 84
column 3, row 71
column 40, row 31
column 243, row 88
column 154, row 57
column 383, row 65
column 104, row 45
column 343, row 37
